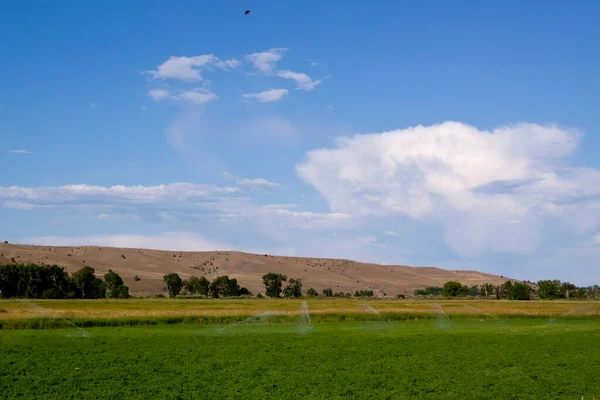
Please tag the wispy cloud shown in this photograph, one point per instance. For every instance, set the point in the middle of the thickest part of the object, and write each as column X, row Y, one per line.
column 256, row 183
column 267, row 96
column 198, row 96
column 20, row 151
column 158, row 94
column 195, row 96
column 303, row 81
column 265, row 61
column 190, row 68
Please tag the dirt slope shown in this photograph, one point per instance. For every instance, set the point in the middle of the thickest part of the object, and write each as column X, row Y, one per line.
column 319, row 273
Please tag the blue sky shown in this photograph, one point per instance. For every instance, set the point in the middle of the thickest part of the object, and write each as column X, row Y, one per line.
column 459, row 135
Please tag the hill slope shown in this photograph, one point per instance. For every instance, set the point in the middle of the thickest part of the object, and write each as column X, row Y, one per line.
column 319, row 273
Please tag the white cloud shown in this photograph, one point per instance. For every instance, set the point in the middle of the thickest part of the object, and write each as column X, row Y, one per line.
column 21, row 151
column 116, row 217
column 189, row 68
column 391, row 233
column 158, row 94
column 476, row 183
column 113, row 195
column 233, row 63
column 267, row 96
column 195, row 96
column 596, row 239
column 256, row 183
column 185, row 200
column 265, row 61
column 176, row 241
column 198, row 96
column 303, row 81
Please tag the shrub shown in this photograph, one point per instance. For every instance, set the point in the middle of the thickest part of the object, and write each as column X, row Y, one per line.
column 312, row 292
column 137, row 278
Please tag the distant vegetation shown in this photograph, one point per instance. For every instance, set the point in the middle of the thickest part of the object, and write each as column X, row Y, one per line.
column 544, row 289
column 53, row 282
column 221, row 286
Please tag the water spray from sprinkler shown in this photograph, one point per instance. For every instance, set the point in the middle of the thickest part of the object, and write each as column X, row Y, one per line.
column 83, row 332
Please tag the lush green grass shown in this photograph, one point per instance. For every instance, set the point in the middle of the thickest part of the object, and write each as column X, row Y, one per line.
column 431, row 359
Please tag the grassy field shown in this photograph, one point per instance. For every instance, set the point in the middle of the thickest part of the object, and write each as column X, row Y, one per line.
column 339, row 348
column 427, row 359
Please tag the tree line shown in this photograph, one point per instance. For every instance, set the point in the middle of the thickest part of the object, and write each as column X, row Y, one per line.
column 33, row 281
column 221, row 286
column 544, row 289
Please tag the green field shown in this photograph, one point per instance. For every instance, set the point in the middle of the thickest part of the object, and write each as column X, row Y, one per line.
column 296, row 349
column 427, row 359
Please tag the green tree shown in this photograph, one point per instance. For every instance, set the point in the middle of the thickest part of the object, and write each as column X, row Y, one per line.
column 503, row 291
column 84, row 281
column 312, row 292
column 173, row 284
column 203, row 286
column 273, row 283
column 486, row 290
column 327, row 292
column 195, row 285
column 123, row 292
column 113, row 284
column 293, row 289
column 520, row 291
column 463, row 291
column 244, row 292
column 474, row 291
column 98, row 290
column 451, row 288
column 568, row 290
column 222, row 286
column 548, row 289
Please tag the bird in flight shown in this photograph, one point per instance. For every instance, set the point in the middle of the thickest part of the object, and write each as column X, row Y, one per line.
column 247, row 12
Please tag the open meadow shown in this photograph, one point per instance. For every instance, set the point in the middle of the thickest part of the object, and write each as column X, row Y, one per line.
column 295, row 349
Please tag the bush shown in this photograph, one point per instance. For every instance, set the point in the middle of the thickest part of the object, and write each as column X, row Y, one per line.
column 327, row 292
column 137, row 278
column 312, row 292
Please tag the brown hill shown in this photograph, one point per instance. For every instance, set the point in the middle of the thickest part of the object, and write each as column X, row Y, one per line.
column 318, row 273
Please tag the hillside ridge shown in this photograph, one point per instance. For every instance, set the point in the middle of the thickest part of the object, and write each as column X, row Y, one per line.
column 341, row 275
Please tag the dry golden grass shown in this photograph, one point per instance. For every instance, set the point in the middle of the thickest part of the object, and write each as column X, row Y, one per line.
column 96, row 309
